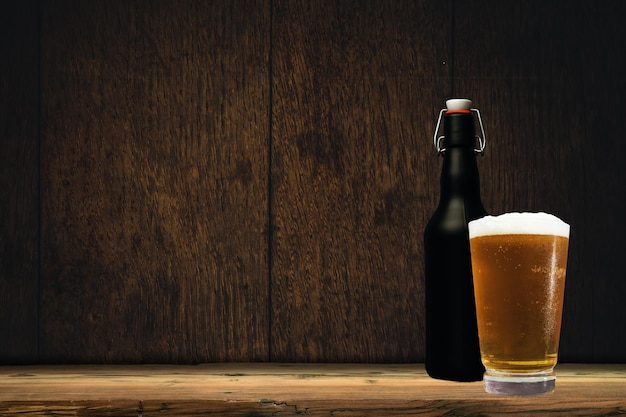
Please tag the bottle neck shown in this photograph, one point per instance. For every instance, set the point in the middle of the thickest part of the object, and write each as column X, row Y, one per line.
column 459, row 175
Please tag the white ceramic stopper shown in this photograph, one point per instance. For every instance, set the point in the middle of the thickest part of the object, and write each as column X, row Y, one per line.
column 459, row 104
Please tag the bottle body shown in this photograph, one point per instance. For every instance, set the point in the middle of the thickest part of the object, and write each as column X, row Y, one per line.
column 452, row 348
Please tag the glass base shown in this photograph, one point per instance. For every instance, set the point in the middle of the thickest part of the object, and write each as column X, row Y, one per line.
column 505, row 383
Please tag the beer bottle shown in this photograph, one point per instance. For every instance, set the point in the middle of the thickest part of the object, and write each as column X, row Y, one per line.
column 452, row 350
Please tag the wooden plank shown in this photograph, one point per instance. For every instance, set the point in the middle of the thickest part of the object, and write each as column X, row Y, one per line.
column 356, row 91
column 155, row 177
column 19, row 181
column 555, row 142
column 291, row 389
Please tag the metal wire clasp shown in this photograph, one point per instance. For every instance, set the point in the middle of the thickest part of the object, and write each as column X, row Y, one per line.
column 482, row 141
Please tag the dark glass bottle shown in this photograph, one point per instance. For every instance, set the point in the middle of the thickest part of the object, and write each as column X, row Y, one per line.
column 452, row 349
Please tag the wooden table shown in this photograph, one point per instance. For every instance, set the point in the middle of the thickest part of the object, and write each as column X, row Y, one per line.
column 256, row 389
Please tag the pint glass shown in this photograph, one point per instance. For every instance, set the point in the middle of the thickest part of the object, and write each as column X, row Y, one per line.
column 518, row 265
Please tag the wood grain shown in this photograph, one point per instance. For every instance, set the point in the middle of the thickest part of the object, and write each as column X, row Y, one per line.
column 19, row 184
column 294, row 389
column 356, row 88
column 550, row 94
column 249, row 181
column 155, row 167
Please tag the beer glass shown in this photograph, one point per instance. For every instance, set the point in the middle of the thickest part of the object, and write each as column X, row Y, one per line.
column 518, row 265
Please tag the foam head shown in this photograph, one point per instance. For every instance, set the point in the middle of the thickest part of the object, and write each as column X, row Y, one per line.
column 519, row 224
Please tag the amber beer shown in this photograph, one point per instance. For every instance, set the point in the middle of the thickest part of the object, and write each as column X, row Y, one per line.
column 518, row 263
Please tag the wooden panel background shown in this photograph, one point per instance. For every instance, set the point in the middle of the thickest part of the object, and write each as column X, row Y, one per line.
column 354, row 89
column 154, row 193
column 196, row 181
column 19, row 182
column 550, row 79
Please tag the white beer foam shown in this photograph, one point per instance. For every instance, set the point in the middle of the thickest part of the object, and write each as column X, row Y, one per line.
column 518, row 224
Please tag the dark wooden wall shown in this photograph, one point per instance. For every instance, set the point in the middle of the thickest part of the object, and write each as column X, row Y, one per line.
column 191, row 181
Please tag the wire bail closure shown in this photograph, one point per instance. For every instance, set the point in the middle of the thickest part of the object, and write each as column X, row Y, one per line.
column 437, row 141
